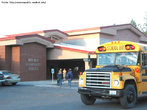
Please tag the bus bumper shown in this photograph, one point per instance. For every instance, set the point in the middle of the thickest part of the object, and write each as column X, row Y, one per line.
column 101, row 92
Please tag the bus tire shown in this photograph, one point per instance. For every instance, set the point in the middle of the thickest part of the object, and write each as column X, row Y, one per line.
column 129, row 98
column 87, row 100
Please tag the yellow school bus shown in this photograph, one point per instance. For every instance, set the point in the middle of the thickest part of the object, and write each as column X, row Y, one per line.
column 121, row 73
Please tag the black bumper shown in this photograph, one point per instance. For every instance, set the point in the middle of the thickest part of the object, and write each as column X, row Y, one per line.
column 101, row 92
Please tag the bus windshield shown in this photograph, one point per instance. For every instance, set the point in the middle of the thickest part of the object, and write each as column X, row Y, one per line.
column 125, row 58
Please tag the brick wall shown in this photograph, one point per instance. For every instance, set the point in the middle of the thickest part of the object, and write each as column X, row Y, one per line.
column 15, row 59
column 28, row 60
column 2, row 57
column 5, row 58
column 33, row 62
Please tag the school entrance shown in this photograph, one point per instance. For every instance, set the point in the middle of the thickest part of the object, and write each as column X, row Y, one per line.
column 77, row 66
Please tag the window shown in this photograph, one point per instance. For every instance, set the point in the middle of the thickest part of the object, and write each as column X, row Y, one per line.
column 129, row 58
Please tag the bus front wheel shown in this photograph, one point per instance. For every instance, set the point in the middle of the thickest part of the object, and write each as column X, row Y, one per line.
column 87, row 100
column 128, row 100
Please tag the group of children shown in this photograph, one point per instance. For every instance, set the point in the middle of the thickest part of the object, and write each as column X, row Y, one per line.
column 62, row 75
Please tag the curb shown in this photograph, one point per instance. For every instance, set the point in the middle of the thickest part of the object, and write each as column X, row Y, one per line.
column 44, row 82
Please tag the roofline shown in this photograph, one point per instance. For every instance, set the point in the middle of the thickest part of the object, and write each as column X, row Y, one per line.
column 20, row 40
column 85, row 29
column 93, row 28
column 28, row 33
column 45, row 31
column 115, row 25
column 139, row 30
column 104, row 27
column 34, row 35
column 25, row 36
column 35, row 32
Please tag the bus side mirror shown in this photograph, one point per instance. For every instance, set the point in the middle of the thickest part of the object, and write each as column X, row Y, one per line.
column 144, row 59
column 89, row 57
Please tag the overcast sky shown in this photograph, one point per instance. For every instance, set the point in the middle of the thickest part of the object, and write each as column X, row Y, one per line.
column 68, row 14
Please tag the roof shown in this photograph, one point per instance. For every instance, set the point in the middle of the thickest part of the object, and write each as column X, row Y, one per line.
column 43, row 32
column 42, row 37
column 110, row 30
column 105, row 29
column 87, row 29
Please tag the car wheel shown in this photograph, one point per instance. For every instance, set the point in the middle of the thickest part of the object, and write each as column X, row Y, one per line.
column 128, row 100
column 87, row 100
column 14, row 83
column 3, row 84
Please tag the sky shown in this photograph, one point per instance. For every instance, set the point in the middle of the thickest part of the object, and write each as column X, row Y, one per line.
column 67, row 14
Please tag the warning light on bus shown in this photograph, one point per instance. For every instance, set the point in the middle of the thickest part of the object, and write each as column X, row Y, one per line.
column 130, row 47
column 102, row 49
column 127, row 47
column 137, row 70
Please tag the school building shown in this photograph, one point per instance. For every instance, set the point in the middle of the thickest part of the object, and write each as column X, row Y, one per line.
column 33, row 55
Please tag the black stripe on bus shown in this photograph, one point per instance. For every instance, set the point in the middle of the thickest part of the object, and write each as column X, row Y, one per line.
column 145, row 92
column 144, row 74
column 144, row 80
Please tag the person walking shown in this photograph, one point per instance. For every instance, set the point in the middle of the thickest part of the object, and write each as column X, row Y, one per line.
column 60, row 77
column 64, row 74
column 69, row 77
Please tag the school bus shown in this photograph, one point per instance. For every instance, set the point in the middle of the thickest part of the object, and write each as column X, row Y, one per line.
column 121, row 73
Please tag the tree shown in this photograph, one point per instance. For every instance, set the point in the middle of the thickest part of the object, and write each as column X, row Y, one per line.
column 145, row 24
column 134, row 23
column 143, row 27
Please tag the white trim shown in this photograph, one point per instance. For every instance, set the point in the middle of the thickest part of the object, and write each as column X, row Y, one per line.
column 22, row 41
column 84, row 32
column 75, row 47
column 38, row 40
column 8, row 42
column 56, row 33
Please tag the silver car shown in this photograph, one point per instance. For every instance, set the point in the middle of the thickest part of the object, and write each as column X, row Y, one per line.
column 1, row 78
column 10, row 78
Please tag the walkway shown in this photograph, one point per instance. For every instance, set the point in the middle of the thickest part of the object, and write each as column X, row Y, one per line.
column 49, row 83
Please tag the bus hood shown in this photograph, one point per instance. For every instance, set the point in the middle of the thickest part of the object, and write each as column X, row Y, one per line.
column 109, row 68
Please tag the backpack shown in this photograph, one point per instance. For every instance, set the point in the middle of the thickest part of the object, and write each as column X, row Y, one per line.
column 67, row 76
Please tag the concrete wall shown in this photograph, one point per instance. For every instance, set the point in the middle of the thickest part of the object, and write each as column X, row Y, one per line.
column 122, row 35
column 127, row 35
column 59, row 53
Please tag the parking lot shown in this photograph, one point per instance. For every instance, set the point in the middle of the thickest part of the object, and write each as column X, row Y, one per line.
column 45, row 95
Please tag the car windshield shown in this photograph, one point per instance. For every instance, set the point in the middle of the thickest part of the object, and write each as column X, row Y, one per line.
column 129, row 58
column 6, row 73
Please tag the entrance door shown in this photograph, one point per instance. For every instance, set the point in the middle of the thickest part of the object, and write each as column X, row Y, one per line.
column 77, row 66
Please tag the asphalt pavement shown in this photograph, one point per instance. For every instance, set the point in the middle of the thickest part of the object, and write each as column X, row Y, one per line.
column 47, row 95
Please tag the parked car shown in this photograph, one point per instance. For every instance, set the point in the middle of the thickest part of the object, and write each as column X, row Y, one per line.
column 1, row 78
column 10, row 78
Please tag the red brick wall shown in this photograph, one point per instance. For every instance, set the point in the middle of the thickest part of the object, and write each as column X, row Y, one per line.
column 33, row 62
column 15, row 59
column 2, row 58
column 28, row 60
column 5, row 57
column 8, row 57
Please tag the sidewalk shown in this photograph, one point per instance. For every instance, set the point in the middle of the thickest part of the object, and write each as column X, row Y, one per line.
column 45, row 82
